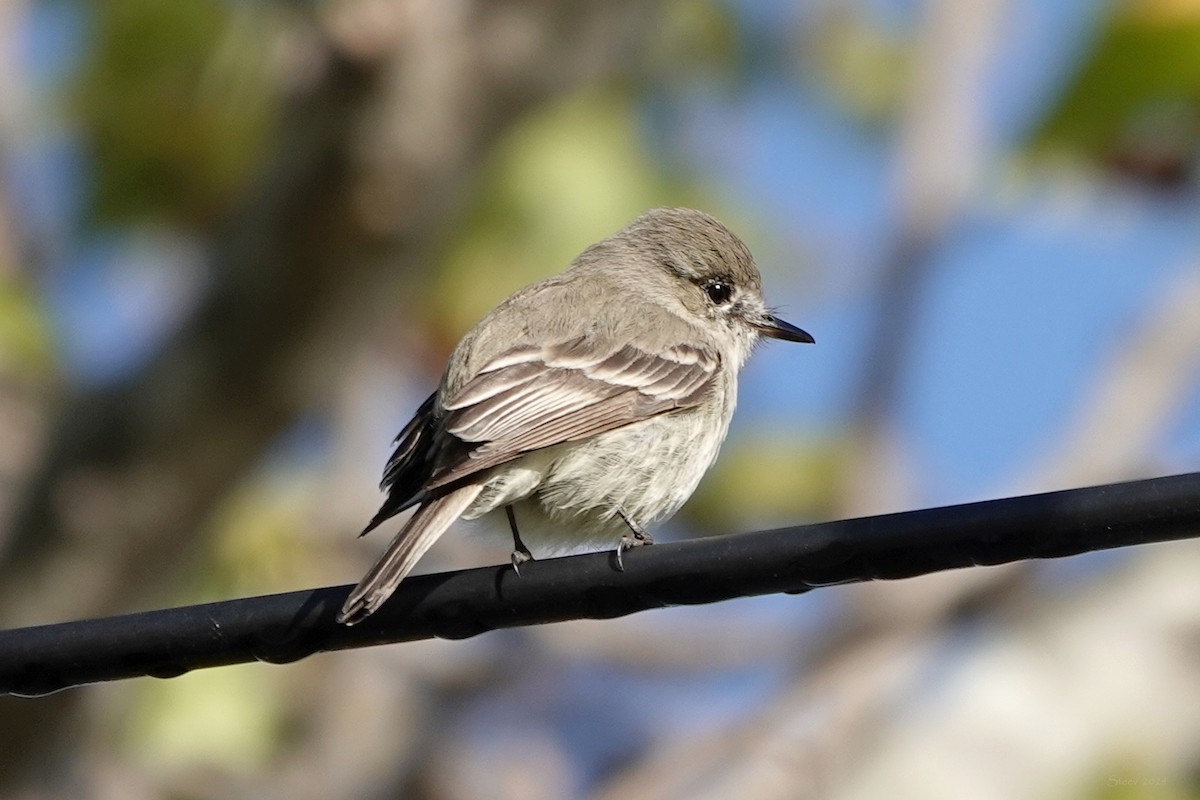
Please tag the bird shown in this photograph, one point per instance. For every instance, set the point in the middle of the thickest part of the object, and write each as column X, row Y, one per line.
column 586, row 406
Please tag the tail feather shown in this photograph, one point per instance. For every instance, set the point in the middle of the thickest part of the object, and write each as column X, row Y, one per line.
column 406, row 548
column 392, row 506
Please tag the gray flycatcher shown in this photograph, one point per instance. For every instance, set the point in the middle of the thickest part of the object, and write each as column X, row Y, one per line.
column 587, row 405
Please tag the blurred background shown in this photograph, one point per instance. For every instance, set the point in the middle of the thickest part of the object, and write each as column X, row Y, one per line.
column 239, row 239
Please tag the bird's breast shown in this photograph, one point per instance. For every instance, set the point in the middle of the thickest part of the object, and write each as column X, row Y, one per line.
column 567, row 496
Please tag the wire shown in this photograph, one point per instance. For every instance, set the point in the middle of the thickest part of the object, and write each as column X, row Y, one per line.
column 453, row 605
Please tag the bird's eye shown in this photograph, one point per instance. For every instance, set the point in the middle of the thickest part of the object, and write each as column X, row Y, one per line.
column 719, row 292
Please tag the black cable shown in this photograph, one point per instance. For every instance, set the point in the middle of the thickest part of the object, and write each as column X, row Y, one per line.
column 285, row 627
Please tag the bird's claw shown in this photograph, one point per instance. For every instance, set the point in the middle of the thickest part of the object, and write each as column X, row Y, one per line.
column 520, row 553
column 628, row 543
column 519, row 557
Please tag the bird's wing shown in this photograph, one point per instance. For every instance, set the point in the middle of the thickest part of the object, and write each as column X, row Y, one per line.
column 410, row 466
column 412, row 450
column 532, row 397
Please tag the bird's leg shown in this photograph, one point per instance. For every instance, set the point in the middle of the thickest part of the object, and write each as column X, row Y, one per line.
column 520, row 553
column 638, row 539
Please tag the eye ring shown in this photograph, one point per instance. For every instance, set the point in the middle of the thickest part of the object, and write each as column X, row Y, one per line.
column 719, row 292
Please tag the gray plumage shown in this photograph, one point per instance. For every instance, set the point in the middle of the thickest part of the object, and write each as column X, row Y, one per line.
column 591, row 403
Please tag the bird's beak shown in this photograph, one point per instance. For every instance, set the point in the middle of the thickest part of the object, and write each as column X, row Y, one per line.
column 778, row 329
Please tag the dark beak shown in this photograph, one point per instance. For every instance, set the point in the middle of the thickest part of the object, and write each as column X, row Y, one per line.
column 778, row 329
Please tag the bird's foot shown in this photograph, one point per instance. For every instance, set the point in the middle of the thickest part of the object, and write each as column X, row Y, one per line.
column 637, row 538
column 520, row 553
column 519, row 557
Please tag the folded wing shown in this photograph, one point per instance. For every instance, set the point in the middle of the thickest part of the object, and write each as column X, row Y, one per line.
column 534, row 397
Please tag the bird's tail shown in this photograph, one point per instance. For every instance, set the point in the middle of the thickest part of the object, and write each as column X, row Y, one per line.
column 418, row 534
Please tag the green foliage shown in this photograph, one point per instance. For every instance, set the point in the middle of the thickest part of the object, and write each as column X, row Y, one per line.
column 694, row 40
column 1141, row 80
column 229, row 718
column 569, row 174
column 262, row 539
column 25, row 342
column 760, row 480
column 1132, row 781
column 864, row 65
column 175, row 100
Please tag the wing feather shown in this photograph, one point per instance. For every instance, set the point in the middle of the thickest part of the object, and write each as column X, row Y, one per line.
column 530, row 398
column 492, row 382
column 412, row 444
